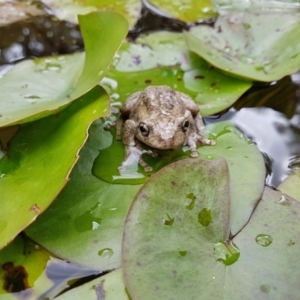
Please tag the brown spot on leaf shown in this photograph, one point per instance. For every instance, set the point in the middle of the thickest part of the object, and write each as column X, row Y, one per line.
column 199, row 77
column 148, row 81
column 213, row 84
column 36, row 209
column 15, row 278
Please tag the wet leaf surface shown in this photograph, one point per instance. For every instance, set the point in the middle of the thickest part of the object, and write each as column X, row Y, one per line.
column 85, row 222
column 250, row 44
column 187, row 11
column 162, row 58
column 69, row 10
column 37, row 164
column 109, row 287
column 52, row 83
column 159, row 260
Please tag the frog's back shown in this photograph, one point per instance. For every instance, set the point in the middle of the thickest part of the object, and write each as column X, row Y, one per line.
column 160, row 99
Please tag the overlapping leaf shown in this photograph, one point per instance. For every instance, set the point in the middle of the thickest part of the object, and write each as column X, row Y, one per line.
column 39, row 159
column 162, row 58
column 253, row 45
column 52, row 83
column 176, row 239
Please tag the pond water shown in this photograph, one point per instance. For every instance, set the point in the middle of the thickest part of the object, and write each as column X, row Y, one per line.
column 269, row 114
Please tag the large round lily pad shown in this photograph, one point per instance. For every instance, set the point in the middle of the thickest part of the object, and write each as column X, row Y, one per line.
column 39, row 159
column 177, row 245
column 254, row 45
column 36, row 88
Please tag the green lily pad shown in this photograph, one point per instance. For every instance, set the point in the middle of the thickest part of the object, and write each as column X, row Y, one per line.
column 290, row 185
column 162, row 58
column 68, row 10
column 85, row 223
column 110, row 286
column 250, row 44
column 163, row 260
column 189, row 11
column 39, row 159
column 52, row 83
column 240, row 152
column 170, row 260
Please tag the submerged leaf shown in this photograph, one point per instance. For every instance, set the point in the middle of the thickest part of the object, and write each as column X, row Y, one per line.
column 39, row 159
column 52, row 83
column 253, row 45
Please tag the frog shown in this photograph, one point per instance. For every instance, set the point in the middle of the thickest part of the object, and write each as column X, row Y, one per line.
column 162, row 119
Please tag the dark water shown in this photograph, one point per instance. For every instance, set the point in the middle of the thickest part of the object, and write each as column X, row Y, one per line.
column 269, row 114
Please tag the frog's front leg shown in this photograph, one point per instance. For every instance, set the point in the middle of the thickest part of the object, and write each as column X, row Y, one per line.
column 133, row 148
column 201, row 131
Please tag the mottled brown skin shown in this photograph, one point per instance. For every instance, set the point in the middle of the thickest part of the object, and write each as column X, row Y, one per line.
column 162, row 119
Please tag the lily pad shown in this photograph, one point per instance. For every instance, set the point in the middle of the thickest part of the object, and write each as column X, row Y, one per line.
column 68, row 10
column 162, row 58
column 189, row 11
column 37, row 164
column 159, row 257
column 85, row 223
column 109, row 287
column 290, row 185
column 52, row 83
column 170, row 260
column 252, row 45
column 241, row 154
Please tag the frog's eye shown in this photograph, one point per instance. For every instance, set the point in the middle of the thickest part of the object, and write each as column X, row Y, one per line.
column 185, row 125
column 144, row 129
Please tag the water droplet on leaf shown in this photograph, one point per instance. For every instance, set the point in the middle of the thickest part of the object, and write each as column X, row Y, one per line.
column 106, row 252
column 170, row 221
column 191, row 205
column 204, row 217
column 226, row 252
column 264, row 240
column 265, row 288
column 284, row 201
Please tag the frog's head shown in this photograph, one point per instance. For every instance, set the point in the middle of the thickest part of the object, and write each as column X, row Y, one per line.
column 165, row 133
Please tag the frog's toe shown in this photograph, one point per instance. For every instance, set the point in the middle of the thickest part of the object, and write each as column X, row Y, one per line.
column 148, row 169
column 194, row 153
